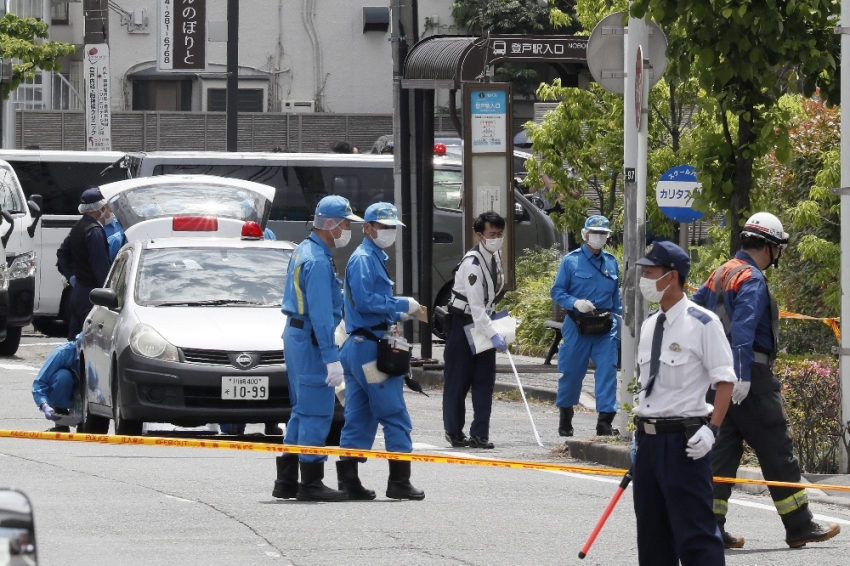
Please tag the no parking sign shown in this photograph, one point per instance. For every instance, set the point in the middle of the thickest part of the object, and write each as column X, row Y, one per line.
column 674, row 193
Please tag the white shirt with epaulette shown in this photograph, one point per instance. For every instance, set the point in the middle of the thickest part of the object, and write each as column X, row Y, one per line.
column 695, row 355
column 474, row 291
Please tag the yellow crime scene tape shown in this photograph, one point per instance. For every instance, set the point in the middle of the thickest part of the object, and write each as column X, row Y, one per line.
column 349, row 453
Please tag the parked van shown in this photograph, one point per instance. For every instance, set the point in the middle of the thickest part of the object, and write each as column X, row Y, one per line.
column 58, row 178
column 302, row 179
column 17, row 229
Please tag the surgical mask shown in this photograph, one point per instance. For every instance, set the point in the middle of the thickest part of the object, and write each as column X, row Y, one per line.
column 597, row 241
column 649, row 291
column 343, row 239
column 385, row 238
column 107, row 218
column 493, row 245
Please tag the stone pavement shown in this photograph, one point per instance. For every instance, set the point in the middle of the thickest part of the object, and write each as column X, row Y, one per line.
column 541, row 382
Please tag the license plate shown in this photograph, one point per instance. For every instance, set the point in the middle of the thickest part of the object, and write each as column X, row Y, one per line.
column 245, row 388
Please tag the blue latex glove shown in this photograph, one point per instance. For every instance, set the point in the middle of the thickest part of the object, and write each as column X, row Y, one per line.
column 499, row 342
column 73, row 280
column 48, row 411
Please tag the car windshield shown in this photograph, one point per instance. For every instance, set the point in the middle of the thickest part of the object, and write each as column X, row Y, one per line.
column 212, row 276
column 10, row 199
column 188, row 199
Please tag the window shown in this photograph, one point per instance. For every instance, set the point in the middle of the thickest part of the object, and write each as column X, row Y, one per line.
column 117, row 279
column 162, row 95
column 61, row 183
column 248, row 99
column 10, row 199
column 59, row 14
column 448, row 189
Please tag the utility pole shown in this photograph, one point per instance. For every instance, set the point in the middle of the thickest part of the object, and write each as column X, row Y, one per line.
column 232, row 115
column 844, row 366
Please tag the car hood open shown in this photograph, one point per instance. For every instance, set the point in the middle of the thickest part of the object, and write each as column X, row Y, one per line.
column 231, row 328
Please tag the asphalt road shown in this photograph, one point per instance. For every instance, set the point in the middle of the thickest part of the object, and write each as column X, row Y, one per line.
column 128, row 505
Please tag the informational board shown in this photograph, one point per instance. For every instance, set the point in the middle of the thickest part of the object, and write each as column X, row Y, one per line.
column 674, row 193
column 182, row 41
column 489, row 121
column 97, row 78
column 488, row 163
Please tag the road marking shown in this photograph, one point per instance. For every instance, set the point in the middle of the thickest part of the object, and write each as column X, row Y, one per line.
column 18, row 366
column 754, row 505
column 42, row 344
column 179, row 499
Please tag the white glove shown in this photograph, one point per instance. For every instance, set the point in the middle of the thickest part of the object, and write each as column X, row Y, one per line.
column 335, row 376
column 404, row 317
column 740, row 391
column 700, row 443
column 413, row 306
column 583, row 305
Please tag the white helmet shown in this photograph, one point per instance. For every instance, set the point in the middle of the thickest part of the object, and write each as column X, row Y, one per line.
column 767, row 227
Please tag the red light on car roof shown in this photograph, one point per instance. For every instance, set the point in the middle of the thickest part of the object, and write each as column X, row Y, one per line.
column 252, row 231
column 194, row 224
column 439, row 149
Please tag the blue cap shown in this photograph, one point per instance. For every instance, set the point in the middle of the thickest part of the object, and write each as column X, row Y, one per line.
column 382, row 213
column 669, row 255
column 335, row 206
column 597, row 223
column 91, row 200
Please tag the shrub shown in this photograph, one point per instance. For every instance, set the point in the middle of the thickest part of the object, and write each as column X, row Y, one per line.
column 531, row 302
column 812, row 393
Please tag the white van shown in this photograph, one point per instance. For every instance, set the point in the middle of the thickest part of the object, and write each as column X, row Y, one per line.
column 58, row 178
column 17, row 235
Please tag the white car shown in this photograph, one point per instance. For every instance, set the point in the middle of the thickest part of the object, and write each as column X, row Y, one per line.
column 187, row 331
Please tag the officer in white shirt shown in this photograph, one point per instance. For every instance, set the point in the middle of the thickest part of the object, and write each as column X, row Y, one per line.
column 682, row 352
column 478, row 280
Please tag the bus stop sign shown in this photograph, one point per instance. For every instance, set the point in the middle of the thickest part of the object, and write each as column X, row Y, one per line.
column 674, row 194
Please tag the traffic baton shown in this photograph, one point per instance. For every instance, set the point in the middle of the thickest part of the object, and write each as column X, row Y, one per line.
column 522, row 392
column 613, row 503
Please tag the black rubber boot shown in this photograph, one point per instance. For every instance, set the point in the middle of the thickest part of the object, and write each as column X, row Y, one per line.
column 311, row 487
column 810, row 532
column 286, row 484
column 398, row 486
column 349, row 482
column 565, row 426
column 603, row 425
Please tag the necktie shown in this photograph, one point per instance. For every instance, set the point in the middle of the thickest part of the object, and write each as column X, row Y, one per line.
column 494, row 272
column 655, row 355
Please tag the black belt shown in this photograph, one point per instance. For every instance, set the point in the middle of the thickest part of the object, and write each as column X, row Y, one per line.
column 454, row 311
column 368, row 334
column 666, row 426
column 299, row 324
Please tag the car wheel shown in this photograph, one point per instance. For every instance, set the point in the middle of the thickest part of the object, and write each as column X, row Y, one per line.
column 93, row 424
column 13, row 338
column 122, row 426
column 442, row 300
column 335, row 434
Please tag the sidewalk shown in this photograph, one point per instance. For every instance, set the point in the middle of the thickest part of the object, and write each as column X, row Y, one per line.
column 541, row 382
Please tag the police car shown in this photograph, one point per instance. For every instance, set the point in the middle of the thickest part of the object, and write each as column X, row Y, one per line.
column 187, row 328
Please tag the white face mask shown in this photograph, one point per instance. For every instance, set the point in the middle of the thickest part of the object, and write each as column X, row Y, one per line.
column 385, row 238
column 649, row 290
column 107, row 218
column 343, row 239
column 493, row 245
column 597, row 241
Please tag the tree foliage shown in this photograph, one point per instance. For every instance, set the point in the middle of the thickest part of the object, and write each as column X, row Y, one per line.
column 19, row 41
column 745, row 56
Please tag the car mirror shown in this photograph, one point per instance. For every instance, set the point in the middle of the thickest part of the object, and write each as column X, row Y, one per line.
column 34, row 204
column 4, row 239
column 520, row 215
column 17, row 529
column 104, row 298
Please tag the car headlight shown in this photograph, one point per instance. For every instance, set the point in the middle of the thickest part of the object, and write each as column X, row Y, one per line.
column 4, row 276
column 22, row 266
column 147, row 342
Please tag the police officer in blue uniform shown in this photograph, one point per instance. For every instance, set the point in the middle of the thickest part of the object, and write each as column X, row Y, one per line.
column 372, row 397
column 312, row 302
column 756, row 416
column 682, row 352
column 84, row 256
column 588, row 283
column 54, row 385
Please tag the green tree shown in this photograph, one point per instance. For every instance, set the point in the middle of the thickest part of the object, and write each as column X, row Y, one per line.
column 745, row 56
column 19, row 42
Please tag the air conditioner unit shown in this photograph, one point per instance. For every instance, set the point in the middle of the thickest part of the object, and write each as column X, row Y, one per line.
column 299, row 106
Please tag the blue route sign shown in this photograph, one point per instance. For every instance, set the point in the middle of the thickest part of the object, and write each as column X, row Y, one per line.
column 674, row 193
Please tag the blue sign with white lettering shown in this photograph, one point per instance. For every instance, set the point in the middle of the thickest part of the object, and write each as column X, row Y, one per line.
column 674, row 193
